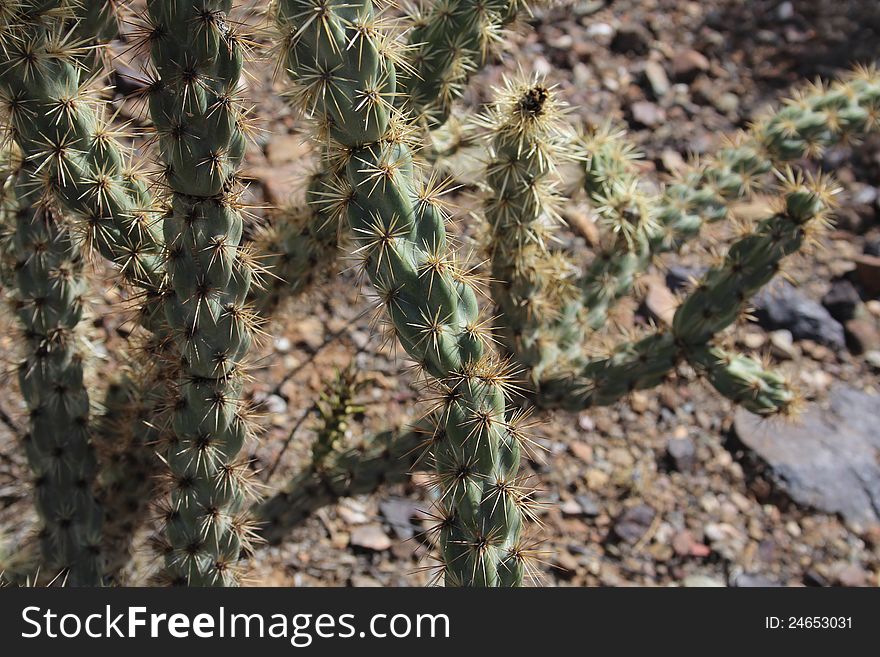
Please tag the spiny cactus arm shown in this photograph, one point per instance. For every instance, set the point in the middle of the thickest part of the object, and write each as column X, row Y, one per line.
column 334, row 53
column 48, row 303
column 716, row 303
column 744, row 380
column 530, row 286
column 817, row 117
column 197, row 56
column 753, row 260
column 450, row 41
column 72, row 151
column 627, row 216
column 606, row 379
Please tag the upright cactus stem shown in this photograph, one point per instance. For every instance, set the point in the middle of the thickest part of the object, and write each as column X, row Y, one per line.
column 194, row 105
column 344, row 66
column 527, row 141
column 49, row 306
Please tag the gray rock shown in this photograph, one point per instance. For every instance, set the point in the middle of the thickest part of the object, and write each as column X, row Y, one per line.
column 398, row 511
column 632, row 524
column 783, row 306
column 655, row 74
column 589, row 506
column 828, row 459
column 842, row 299
column 682, row 454
column 752, row 580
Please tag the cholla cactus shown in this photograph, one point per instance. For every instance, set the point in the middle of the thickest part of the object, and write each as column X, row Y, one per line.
column 179, row 247
column 345, row 68
column 49, row 305
column 194, row 104
column 450, row 40
column 58, row 127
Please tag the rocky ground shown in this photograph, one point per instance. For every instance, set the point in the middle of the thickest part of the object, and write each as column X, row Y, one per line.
column 673, row 486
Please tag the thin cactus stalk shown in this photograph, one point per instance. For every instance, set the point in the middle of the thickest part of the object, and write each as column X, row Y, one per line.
column 337, row 467
column 49, row 306
column 345, row 66
column 531, row 286
column 59, row 129
column 197, row 56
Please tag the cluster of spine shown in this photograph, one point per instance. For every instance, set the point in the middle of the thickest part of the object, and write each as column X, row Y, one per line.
column 197, row 57
column 49, row 304
column 345, row 67
column 450, row 40
column 338, row 468
column 74, row 154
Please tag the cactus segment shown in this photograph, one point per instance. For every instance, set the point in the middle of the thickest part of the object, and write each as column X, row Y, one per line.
column 49, row 306
column 197, row 56
column 71, row 150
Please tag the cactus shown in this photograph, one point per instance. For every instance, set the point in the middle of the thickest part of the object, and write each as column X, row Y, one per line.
column 194, row 105
column 449, row 41
column 49, row 306
column 348, row 79
column 718, row 300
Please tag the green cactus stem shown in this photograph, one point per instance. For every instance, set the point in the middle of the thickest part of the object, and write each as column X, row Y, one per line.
column 197, row 56
column 49, row 306
column 338, row 56
column 450, row 40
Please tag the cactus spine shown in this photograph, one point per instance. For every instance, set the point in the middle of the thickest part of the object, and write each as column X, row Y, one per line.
column 339, row 57
column 193, row 100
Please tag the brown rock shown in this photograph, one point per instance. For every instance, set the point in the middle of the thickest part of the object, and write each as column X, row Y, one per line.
column 861, row 335
column 370, row 537
column 659, row 301
column 868, row 273
column 687, row 64
column 647, row 113
column 282, row 149
column 582, row 451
